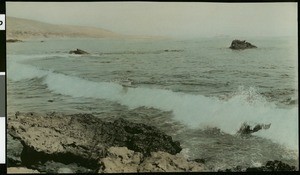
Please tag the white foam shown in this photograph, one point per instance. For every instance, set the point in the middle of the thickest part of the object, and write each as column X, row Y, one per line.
column 246, row 105
column 17, row 72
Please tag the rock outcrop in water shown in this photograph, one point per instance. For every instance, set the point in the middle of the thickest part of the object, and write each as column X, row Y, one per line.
column 275, row 165
column 78, row 52
column 241, row 45
column 83, row 139
column 246, row 129
column 13, row 41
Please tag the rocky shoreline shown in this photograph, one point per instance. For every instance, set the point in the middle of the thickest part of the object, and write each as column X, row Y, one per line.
column 83, row 143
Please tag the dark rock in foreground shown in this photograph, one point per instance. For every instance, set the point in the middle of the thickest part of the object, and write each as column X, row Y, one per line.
column 14, row 151
column 275, row 165
column 78, row 52
column 82, row 138
column 241, row 45
column 13, row 40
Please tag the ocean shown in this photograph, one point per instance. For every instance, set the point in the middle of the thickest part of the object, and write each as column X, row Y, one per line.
column 197, row 90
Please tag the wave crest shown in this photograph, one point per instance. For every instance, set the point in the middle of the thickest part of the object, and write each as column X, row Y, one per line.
column 244, row 105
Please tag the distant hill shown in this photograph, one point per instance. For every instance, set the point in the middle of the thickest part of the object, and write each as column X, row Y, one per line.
column 18, row 28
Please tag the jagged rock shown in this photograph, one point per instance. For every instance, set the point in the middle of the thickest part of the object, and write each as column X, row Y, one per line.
column 78, row 51
column 14, row 151
column 82, row 138
column 275, row 165
column 246, row 129
column 165, row 162
column 235, row 169
column 13, row 40
column 120, row 160
column 200, row 160
column 240, row 45
column 143, row 138
column 123, row 160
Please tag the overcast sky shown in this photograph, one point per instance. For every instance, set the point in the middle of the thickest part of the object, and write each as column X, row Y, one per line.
column 175, row 19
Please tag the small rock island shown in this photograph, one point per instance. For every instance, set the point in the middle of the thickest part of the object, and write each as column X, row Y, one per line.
column 241, row 45
column 78, row 52
column 13, row 40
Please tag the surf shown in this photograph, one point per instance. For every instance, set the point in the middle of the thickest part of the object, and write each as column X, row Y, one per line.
column 195, row 111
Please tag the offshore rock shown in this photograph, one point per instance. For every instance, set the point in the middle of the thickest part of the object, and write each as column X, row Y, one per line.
column 246, row 129
column 82, row 138
column 78, row 52
column 123, row 160
column 241, row 45
column 13, row 40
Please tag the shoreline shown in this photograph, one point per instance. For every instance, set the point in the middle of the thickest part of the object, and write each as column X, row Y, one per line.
column 82, row 143
column 60, row 139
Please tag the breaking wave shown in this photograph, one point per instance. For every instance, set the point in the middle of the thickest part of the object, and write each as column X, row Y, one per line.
column 245, row 105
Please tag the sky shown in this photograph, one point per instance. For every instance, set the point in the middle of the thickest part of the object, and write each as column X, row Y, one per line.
column 173, row 19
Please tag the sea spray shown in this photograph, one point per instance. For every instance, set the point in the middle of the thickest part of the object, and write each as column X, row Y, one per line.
column 245, row 105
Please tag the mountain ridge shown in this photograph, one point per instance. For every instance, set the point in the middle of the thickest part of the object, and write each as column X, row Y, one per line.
column 21, row 28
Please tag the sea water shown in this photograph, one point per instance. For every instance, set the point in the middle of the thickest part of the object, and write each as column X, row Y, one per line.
column 198, row 90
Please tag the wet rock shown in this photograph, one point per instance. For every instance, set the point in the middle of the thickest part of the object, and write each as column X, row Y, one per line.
column 200, row 161
column 82, row 138
column 78, row 52
column 235, row 169
column 14, row 151
column 13, row 41
column 275, row 165
column 246, row 129
column 241, row 45
column 143, row 138
column 269, row 166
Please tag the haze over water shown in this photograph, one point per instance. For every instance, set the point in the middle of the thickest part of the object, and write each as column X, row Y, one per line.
column 175, row 19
